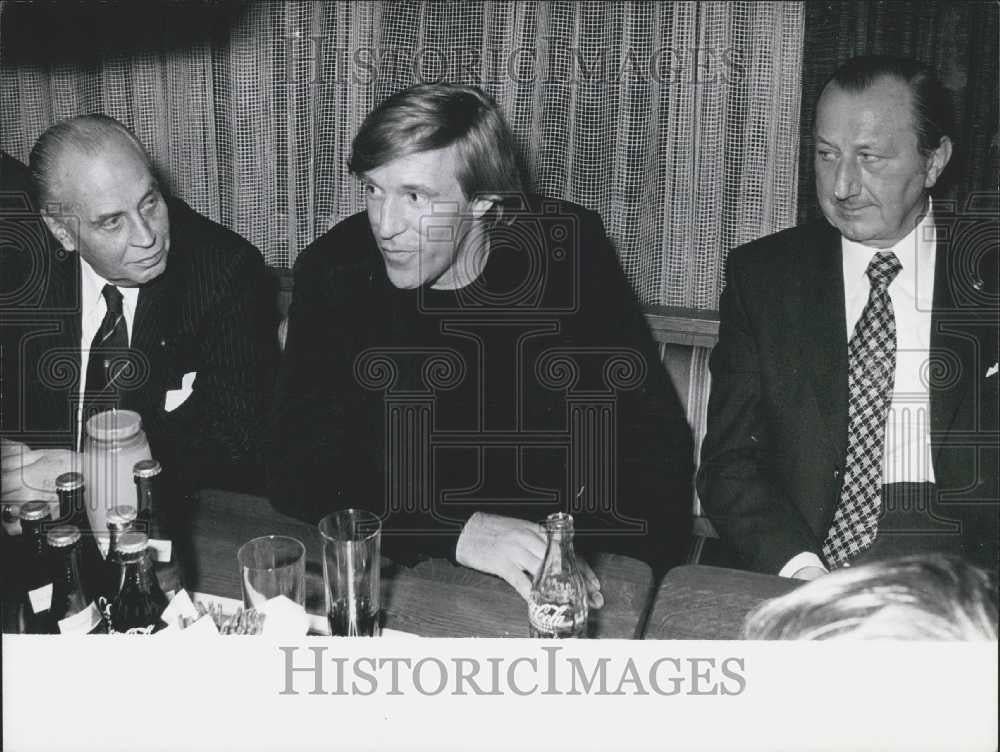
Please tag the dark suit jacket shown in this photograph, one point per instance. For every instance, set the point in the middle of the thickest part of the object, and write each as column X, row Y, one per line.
column 772, row 460
column 15, row 182
column 552, row 281
column 210, row 312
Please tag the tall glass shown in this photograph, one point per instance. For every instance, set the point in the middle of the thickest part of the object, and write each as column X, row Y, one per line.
column 352, row 543
column 270, row 566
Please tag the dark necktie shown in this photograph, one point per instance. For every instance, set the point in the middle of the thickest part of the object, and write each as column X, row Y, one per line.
column 109, row 357
column 871, row 373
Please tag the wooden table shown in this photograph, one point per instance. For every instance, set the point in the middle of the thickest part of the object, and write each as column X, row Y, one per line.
column 433, row 599
column 709, row 603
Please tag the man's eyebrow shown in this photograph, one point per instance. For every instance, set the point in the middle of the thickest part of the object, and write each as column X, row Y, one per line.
column 867, row 144
column 102, row 218
column 419, row 188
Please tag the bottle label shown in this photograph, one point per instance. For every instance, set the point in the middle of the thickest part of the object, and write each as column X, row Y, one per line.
column 81, row 623
column 551, row 617
column 40, row 598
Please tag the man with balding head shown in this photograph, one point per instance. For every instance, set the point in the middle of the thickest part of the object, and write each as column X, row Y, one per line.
column 186, row 300
column 853, row 413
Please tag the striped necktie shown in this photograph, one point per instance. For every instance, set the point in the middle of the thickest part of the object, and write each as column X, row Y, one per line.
column 109, row 357
column 871, row 355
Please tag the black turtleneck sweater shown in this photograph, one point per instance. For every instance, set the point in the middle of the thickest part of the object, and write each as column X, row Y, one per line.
column 537, row 388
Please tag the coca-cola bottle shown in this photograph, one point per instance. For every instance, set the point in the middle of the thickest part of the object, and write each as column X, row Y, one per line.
column 34, row 568
column 70, row 490
column 146, row 474
column 120, row 521
column 153, row 517
column 557, row 606
column 139, row 603
column 68, row 597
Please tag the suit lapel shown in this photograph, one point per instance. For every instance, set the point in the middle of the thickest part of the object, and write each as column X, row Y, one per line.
column 958, row 328
column 824, row 342
column 150, row 337
column 150, row 315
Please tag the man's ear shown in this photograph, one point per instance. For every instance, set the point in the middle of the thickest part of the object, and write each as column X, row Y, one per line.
column 60, row 231
column 937, row 161
column 482, row 204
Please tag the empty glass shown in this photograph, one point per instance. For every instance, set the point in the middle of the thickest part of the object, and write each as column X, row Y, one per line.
column 352, row 542
column 270, row 566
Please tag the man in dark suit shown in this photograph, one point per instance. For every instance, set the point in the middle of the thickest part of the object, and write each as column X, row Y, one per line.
column 853, row 411
column 464, row 360
column 185, row 302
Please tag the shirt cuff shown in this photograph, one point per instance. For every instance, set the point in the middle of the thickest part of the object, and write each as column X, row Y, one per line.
column 804, row 559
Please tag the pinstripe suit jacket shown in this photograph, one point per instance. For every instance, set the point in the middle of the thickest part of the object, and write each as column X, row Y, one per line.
column 211, row 312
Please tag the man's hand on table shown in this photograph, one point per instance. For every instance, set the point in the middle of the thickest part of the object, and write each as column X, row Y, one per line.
column 809, row 573
column 513, row 550
column 30, row 475
column 805, row 565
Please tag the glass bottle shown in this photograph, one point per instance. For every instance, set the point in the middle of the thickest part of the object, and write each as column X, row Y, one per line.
column 557, row 606
column 70, row 490
column 139, row 602
column 120, row 521
column 154, row 520
column 68, row 598
column 115, row 442
column 34, row 570
column 146, row 475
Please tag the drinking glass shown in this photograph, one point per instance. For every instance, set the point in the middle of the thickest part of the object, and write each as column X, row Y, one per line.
column 352, row 542
column 270, row 566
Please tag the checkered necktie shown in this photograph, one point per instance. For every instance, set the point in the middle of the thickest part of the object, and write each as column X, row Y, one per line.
column 108, row 357
column 871, row 373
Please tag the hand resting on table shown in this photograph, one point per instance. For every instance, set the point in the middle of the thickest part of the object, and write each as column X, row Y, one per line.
column 513, row 550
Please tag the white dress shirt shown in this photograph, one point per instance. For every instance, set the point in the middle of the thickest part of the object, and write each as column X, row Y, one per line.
column 92, row 310
column 906, row 455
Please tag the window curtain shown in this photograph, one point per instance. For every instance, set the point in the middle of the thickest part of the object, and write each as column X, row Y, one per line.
column 958, row 40
column 678, row 122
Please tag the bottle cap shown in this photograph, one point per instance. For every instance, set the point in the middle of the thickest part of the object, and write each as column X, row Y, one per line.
column 132, row 543
column 62, row 536
column 147, row 469
column 69, row 482
column 34, row 510
column 121, row 515
column 114, row 425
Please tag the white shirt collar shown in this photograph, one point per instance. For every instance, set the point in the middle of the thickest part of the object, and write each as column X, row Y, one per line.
column 92, row 305
column 916, row 252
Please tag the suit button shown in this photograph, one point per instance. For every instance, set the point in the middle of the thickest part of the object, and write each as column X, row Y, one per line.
column 836, row 472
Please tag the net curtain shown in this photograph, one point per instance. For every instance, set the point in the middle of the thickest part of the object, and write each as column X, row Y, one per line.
column 678, row 122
